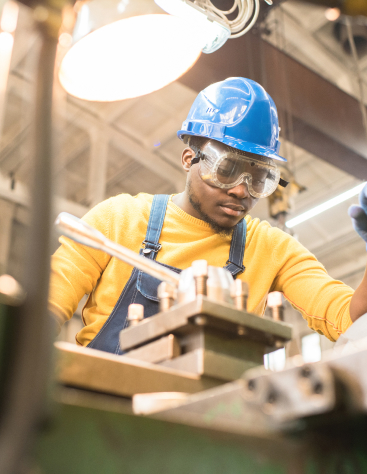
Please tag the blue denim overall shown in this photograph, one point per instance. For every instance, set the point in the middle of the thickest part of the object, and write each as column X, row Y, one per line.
column 142, row 288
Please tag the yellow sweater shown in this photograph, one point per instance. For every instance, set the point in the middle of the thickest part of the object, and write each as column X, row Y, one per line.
column 274, row 261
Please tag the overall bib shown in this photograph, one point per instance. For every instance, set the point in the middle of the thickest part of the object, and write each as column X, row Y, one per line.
column 141, row 288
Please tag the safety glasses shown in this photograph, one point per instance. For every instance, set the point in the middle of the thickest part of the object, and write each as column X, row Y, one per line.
column 225, row 169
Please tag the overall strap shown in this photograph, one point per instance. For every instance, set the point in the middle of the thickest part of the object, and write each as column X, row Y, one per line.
column 237, row 250
column 155, row 224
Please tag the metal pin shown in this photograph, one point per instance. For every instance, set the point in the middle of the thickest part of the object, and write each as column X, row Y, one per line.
column 239, row 293
column 200, row 320
column 166, row 295
column 135, row 314
column 279, row 344
column 275, row 302
column 200, row 272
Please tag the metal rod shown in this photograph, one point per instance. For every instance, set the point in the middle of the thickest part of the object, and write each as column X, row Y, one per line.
column 83, row 233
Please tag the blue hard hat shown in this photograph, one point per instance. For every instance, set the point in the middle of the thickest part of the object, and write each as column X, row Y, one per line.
column 237, row 112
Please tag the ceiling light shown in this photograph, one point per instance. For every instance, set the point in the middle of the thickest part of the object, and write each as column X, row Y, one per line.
column 6, row 47
column 127, row 48
column 9, row 17
column 325, row 206
column 332, row 14
column 65, row 40
column 127, row 51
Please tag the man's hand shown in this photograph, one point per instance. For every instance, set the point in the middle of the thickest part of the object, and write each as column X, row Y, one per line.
column 359, row 215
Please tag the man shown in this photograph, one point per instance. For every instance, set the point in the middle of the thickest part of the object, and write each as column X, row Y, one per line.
column 232, row 148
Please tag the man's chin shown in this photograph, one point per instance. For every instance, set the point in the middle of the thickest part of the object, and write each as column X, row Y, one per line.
column 223, row 231
column 218, row 228
column 223, row 227
column 228, row 222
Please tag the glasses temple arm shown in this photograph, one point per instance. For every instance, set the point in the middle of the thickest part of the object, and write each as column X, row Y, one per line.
column 283, row 183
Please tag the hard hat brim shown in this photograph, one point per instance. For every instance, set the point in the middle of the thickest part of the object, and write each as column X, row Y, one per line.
column 240, row 145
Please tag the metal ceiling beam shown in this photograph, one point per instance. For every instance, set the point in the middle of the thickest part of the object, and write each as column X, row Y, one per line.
column 20, row 196
column 84, row 119
column 329, row 149
column 12, row 138
column 64, row 157
column 347, row 7
column 289, row 32
column 326, row 121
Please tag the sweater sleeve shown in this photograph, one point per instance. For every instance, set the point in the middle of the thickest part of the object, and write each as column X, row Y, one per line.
column 322, row 301
column 75, row 268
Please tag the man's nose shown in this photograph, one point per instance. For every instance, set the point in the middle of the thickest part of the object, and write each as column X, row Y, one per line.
column 240, row 191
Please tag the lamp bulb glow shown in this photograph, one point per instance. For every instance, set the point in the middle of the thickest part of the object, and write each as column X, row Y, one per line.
column 130, row 58
column 332, row 14
column 9, row 17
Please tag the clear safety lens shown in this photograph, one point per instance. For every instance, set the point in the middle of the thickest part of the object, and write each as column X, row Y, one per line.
column 225, row 169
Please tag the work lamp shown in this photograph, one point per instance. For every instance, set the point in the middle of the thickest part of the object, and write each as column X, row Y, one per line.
column 123, row 49
column 127, row 48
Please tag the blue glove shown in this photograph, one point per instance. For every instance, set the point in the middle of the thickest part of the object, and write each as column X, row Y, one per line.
column 359, row 215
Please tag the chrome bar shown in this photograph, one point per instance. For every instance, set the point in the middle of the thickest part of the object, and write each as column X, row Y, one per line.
column 81, row 232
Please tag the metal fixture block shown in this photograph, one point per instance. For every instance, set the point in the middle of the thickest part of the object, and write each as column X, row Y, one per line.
column 211, row 364
column 108, row 373
column 162, row 349
column 181, row 318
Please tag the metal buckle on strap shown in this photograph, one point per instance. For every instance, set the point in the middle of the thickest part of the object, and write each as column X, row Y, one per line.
column 156, row 248
column 242, row 268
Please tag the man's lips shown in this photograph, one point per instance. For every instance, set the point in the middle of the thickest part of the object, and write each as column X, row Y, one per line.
column 232, row 209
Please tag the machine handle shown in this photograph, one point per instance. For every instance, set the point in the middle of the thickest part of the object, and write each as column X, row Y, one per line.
column 81, row 232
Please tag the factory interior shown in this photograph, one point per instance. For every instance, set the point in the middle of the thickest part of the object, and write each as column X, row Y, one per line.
column 206, row 383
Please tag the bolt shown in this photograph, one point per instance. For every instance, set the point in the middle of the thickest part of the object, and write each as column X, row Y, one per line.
column 277, row 313
column 166, row 295
column 241, row 331
column 318, row 388
column 239, row 293
column 135, row 314
column 279, row 344
column 275, row 302
column 272, row 397
column 306, row 371
column 200, row 320
column 200, row 272
column 251, row 385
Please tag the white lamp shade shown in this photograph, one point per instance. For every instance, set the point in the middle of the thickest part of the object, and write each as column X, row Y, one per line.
column 130, row 57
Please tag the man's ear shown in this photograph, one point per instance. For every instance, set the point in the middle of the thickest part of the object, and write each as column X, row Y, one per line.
column 187, row 155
